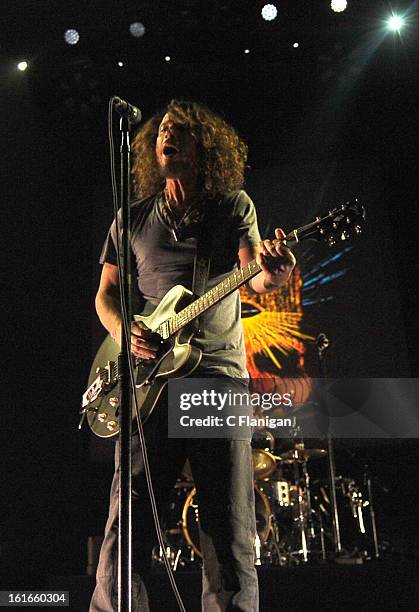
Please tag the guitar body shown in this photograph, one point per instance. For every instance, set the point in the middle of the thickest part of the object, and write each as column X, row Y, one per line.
column 176, row 359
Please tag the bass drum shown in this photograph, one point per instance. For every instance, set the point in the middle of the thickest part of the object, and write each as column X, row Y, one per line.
column 190, row 519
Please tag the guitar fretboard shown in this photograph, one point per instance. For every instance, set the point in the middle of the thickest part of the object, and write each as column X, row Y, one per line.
column 213, row 296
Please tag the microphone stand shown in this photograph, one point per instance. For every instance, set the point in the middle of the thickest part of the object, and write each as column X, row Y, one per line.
column 322, row 342
column 125, row 412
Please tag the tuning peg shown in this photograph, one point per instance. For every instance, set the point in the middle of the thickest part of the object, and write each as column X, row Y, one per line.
column 334, row 225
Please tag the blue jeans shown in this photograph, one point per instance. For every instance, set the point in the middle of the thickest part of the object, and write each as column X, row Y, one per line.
column 223, row 476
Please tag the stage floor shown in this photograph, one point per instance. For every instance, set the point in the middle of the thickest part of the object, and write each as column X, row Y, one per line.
column 372, row 586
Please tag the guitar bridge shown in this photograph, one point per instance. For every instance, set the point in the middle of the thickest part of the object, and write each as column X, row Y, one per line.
column 104, row 382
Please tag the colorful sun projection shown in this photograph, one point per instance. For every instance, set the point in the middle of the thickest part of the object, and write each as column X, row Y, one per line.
column 273, row 323
column 272, row 326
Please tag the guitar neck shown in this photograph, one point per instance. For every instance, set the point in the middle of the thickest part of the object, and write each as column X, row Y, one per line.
column 231, row 283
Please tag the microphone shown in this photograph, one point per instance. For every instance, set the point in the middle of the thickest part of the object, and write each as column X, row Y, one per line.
column 125, row 109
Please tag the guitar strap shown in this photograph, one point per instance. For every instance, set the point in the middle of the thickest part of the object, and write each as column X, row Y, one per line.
column 202, row 259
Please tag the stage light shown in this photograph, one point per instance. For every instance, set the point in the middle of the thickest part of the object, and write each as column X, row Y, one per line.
column 296, row 45
column 338, row 6
column 247, row 51
column 269, row 12
column 395, row 23
column 137, row 29
column 71, row 37
column 121, row 64
column 22, row 66
column 167, row 58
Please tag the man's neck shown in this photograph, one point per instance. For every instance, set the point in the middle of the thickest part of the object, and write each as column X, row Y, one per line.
column 181, row 193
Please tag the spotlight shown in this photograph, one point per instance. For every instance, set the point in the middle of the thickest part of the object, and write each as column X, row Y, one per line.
column 22, row 66
column 395, row 23
column 71, row 37
column 338, row 6
column 247, row 51
column 269, row 12
column 167, row 58
column 121, row 64
column 137, row 29
column 296, row 45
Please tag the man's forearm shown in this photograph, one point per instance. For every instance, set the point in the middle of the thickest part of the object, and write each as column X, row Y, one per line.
column 109, row 313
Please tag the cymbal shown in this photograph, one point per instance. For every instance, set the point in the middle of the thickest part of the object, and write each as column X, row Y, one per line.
column 301, row 455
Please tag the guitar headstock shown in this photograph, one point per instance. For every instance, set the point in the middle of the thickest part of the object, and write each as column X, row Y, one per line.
column 342, row 223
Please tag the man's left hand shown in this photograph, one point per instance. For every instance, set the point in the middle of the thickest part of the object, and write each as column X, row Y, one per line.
column 276, row 261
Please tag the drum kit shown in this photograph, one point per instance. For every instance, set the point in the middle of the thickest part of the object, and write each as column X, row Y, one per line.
column 299, row 519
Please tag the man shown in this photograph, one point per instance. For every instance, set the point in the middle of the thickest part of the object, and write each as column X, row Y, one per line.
column 189, row 169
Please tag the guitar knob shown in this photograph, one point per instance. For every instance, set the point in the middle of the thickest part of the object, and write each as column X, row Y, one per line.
column 114, row 402
column 102, row 417
column 111, row 425
column 331, row 241
column 344, row 235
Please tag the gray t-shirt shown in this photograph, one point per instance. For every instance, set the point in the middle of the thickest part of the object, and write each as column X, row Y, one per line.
column 162, row 262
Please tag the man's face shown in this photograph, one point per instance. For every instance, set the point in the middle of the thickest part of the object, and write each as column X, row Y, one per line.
column 176, row 150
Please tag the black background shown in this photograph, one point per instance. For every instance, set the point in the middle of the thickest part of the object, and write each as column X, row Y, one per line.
column 332, row 119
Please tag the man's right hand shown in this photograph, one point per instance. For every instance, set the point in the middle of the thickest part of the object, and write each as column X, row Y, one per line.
column 141, row 344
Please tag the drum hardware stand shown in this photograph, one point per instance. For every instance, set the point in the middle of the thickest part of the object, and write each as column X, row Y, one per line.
column 351, row 491
column 322, row 343
column 306, row 478
column 322, row 541
column 305, row 524
column 367, row 480
column 258, row 548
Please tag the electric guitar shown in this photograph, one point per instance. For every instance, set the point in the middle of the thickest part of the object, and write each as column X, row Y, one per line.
column 171, row 323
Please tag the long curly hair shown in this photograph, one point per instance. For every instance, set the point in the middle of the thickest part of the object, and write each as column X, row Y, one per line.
column 222, row 154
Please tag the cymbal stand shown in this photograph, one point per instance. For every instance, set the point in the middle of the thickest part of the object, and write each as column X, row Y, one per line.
column 322, row 343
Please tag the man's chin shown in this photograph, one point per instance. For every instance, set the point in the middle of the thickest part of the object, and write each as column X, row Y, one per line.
column 170, row 170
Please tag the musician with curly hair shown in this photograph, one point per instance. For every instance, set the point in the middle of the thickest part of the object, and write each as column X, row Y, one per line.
column 189, row 173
